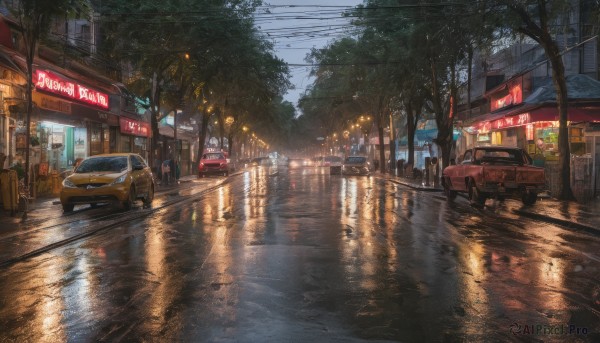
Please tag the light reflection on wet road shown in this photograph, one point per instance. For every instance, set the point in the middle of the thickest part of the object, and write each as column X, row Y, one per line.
column 301, row 255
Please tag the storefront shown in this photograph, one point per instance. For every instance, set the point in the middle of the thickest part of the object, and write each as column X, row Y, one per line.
column 12, row 103
column 134, row 136
column 183, row 147
column 70, row 121
column 535, row 128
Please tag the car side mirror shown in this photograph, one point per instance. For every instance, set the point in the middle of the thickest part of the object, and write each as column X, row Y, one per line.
column 138, row 167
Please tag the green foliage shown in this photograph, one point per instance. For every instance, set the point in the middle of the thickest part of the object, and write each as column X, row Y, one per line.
column 18, row 167
column 195, row 55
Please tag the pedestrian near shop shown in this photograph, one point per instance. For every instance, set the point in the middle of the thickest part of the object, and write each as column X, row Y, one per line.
column 166, row 172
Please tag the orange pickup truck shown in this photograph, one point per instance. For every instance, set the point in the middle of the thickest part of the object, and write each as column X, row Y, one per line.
column 494, row 171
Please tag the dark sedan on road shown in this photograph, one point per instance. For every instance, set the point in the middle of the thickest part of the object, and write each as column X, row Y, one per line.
column 356, row 165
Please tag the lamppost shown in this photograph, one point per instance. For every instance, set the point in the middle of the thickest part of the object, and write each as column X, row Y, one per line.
column 365, row 124
column 229, row 120
column 244, row 148
column 346, row 135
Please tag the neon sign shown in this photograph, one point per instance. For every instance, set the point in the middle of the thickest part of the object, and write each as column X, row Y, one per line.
column 49, row 82
column 134, row 127
column 506, row 122
column 514, row 96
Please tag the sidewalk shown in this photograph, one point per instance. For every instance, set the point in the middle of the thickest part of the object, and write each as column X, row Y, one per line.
column 8, row 222
column 585, row 217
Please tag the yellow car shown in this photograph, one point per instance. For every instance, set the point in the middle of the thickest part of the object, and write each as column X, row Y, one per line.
column 110, row 178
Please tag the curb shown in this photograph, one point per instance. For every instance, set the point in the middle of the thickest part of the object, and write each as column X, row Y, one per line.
column 421, row 188
column 552, row 220
column 564, row 223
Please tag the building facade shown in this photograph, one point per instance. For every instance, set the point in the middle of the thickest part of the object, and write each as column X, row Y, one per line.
column 513, row 103
column 77, row 111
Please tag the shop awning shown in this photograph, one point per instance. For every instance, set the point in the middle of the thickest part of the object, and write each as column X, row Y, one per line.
column 584, row 106
column 7, row 61
column 577, row 114
column 167, row 131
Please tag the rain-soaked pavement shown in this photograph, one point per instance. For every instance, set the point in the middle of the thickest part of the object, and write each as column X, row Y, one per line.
column 299, row 255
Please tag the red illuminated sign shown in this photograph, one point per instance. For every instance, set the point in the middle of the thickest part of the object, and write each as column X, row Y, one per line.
column 49, row 82
column 506, row 122
column 134, row 127
column 514, row 96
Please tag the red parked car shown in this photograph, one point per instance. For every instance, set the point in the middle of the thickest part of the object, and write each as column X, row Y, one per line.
column 213, row 163
column 494, row 171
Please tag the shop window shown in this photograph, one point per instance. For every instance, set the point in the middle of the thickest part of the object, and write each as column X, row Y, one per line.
column 481, row 138
column 105, row 140
column 95, row 139
column 576, row 135
column 113, row 139
column 125, row 144
column 139, row 145
column 496, row 138
column 80, row 142
column 547, row 142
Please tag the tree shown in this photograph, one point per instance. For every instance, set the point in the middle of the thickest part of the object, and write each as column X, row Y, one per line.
column 228, row 66
column 34, row 18
column 537, row 19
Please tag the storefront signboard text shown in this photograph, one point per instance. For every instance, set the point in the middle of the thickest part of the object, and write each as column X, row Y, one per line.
column 50, row 82
column 134, row 127
column 51, row 103
column 514, row 96
column 504, row 123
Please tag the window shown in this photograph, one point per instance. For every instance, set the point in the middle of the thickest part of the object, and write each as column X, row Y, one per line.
column 102, row 164
column 139, row 161
column 125, row 144
column 468, row 156
column 95, row 139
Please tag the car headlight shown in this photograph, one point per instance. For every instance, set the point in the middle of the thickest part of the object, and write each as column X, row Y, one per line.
column 68, row 184
column 120, row 179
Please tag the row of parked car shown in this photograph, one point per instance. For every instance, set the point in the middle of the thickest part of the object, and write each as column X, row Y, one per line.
column 123, row 178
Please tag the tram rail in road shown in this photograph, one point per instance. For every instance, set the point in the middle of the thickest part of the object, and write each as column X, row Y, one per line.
column 94, row 225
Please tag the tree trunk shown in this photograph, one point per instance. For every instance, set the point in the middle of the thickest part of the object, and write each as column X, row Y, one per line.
column 410, row 133
column 230, row 148
column 28, row 97
column 202, row 134
column 381, row 149
column 560, row 84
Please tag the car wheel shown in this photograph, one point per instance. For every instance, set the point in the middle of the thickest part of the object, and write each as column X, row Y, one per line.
column 529, row 197
column 149, row 196
column 475, row 196
column 450, row 194
column 68, row 207
column 130, row 199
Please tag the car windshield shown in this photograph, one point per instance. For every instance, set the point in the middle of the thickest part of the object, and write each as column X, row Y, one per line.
column 214, row 156
column 356, row 160
column 498, row 155
column 103, row 164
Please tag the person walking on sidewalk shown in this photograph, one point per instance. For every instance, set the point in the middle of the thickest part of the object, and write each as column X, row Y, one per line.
column 165, row 170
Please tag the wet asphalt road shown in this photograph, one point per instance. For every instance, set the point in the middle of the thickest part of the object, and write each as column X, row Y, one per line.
column 278, row 255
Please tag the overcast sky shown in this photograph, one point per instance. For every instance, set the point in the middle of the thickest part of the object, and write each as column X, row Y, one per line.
column 296, row 26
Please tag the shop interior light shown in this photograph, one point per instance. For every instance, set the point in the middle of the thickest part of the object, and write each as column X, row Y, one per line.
column 50, row 123
column 529, row 132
